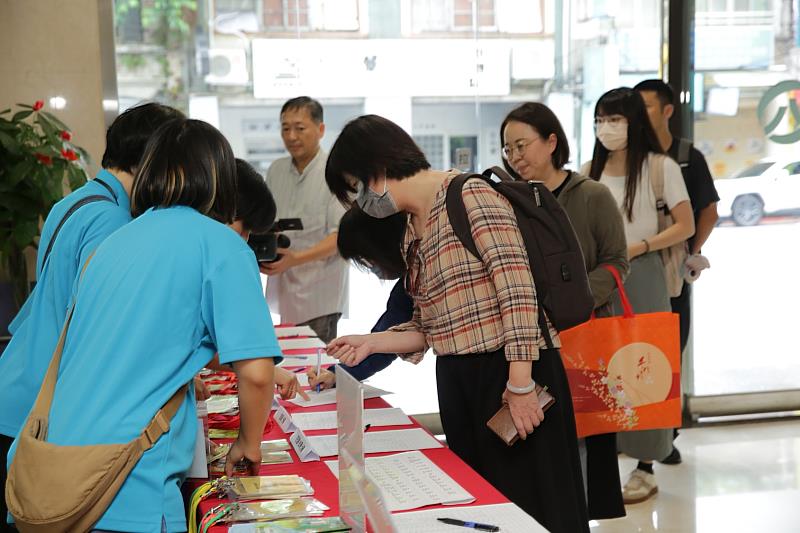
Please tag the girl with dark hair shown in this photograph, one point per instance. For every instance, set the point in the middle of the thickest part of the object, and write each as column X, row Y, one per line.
column 626, row 156
column 535, row 147
column 160, row 296
column 373, row 244
column 480, row 316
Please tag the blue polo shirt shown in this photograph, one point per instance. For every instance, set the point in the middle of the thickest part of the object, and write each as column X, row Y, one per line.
column 37, row 326
column 160, row 296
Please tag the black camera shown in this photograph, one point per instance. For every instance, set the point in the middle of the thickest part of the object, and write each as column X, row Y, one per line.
column 266, row 245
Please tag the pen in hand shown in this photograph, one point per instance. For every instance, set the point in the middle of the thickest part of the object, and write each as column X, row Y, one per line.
column 472, row 525
column 319, row 365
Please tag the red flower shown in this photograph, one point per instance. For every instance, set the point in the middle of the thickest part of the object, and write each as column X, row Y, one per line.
column 44, row 159
column 67, row 136
column 38, row 105
column 69, row 155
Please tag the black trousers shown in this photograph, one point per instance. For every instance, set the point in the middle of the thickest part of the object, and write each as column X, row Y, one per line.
column 5, row 444
column 541, row 474
column 682, row 304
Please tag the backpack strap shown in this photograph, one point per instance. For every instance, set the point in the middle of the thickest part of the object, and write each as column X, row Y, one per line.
column 77, row 205
column 457, row 212
column 656, row 174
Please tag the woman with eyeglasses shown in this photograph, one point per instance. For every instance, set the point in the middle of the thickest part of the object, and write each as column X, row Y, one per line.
column 480, row 317
column 625, row 153
column 535, row 147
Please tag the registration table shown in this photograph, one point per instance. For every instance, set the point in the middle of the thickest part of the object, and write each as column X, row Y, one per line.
column 326, row 485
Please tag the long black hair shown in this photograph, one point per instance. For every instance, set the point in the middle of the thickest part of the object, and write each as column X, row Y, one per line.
column 642, row 139
column 373, row 243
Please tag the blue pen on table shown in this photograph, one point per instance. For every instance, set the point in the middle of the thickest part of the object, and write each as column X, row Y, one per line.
column 319, row 365
column 472, row 525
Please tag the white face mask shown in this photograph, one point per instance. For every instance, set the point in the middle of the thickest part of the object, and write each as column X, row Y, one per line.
column 613, row 136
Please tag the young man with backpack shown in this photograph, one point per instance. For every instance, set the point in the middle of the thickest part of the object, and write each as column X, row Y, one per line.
column 73, row 230
column 659, row 99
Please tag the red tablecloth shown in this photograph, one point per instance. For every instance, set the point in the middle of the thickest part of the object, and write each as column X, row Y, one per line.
column 326, row 486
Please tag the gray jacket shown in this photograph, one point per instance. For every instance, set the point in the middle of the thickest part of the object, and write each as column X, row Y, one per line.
column 597, row 221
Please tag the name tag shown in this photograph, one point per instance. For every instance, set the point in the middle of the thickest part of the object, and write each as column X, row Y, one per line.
column 302, row 447
column 284, row 419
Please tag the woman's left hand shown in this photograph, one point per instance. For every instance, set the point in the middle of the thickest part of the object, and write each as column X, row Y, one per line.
column 525, row 410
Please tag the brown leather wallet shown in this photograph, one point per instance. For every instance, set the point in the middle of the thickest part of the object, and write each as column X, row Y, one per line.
column 502, row 423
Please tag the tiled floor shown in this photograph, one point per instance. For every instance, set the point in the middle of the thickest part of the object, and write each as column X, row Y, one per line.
column 734, row 478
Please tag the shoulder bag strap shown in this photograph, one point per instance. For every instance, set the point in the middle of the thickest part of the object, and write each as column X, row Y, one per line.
column 80, row 203
column 41, row 408
column 161, row 420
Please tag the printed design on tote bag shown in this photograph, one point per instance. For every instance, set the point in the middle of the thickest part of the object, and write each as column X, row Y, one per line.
column 595, row 387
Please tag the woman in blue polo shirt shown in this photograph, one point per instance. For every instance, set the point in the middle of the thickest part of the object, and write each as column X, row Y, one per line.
column 158, row 299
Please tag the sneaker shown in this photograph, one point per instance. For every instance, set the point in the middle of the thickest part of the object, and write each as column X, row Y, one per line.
column 674, row 458
column 639, row 487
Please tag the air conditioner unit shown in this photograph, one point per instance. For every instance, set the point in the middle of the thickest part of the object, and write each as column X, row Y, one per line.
column 227, row 66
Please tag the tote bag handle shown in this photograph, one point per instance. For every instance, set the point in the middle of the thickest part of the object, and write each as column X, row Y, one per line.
column 627, row 308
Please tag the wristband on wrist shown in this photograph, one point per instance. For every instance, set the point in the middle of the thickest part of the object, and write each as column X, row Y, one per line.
column 646, row 246
column 521, row 390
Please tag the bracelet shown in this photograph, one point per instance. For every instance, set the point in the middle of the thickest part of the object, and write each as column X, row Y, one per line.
column 646, row 246
column 521, row 390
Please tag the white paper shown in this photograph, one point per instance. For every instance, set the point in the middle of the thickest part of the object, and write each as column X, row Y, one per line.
column 302, row 378
column 374, row 417
column 328, row 396
column 507, row 516
column 410, row 481
column 294, row 331
column 396, row 440
column 307, row 360
column 222, row 404
column 297, row 344
column 199, row 468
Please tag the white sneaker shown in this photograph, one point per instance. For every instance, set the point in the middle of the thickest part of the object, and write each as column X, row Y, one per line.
column 639, row 487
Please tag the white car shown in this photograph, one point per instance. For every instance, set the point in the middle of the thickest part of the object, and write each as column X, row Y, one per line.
column 767, row 187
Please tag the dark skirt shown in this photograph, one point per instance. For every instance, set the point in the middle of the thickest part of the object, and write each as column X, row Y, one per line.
column 541, row 474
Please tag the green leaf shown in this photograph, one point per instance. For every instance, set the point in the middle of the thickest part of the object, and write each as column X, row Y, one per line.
column 9, row 143
column 25, row 106
column 19, row 172
column 55, row 119
column 21, row 115
column 24, row 233
column 4, row 111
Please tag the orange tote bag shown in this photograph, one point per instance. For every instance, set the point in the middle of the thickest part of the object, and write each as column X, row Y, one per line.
column 624, row 371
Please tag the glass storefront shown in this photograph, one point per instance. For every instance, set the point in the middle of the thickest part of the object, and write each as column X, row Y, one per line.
column 746, row 124
column 449, row 70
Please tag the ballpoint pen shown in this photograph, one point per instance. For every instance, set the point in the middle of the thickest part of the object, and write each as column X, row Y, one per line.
column 319, row 364
column 472, row 525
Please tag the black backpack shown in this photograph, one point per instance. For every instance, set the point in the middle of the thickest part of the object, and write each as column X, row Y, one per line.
column 554, row 254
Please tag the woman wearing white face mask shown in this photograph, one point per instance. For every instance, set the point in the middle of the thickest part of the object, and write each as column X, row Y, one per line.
column 480, row 317
column 625, row 153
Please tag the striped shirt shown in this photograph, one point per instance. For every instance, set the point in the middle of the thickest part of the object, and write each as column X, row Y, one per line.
column 464, row 305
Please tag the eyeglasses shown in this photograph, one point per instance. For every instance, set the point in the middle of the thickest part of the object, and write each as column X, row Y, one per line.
column 411, row 279
column 519, row 147
column 610, row 119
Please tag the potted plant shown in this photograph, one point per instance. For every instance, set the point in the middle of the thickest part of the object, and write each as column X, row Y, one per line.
column 37, row 161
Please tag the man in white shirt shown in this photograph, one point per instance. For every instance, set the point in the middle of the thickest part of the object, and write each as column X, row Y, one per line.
column 308, row 284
